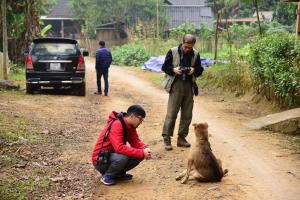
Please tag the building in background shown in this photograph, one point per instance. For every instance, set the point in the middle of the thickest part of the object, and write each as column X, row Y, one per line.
column 111, row 34
column 63, row 24
column 189, row 11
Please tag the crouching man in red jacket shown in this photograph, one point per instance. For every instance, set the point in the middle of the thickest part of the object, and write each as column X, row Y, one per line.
column 111, row 156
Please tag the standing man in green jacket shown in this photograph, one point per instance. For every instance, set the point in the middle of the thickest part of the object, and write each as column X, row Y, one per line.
column 182, row 65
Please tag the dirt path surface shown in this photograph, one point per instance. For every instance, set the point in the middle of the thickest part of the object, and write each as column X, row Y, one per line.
column 260, row 167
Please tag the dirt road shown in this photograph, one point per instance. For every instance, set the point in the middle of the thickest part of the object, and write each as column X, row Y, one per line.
column 260, row 167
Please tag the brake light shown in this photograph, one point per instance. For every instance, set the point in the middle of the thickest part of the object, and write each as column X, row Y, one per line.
column 29, row 62
column 80, row 66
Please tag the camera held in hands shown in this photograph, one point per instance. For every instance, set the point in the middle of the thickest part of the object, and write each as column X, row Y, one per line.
column 184, row 72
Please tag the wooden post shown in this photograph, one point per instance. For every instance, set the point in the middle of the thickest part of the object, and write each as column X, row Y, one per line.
column 5, row 48
column 298, row 21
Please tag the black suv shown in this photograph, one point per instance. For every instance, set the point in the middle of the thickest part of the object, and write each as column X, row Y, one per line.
column 55, row 62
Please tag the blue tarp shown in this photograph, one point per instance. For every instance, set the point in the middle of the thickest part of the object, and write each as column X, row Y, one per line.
column 155, row 63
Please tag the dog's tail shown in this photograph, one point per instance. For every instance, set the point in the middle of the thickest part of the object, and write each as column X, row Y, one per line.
column 225, row 172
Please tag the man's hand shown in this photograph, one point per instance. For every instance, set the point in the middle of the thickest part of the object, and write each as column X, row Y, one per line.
column 192, row 69
column 147, row 153
column 177, row 70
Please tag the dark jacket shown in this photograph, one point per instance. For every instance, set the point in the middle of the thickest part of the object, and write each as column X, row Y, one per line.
column 186, row 61
column 103, row 58
column 115, row 140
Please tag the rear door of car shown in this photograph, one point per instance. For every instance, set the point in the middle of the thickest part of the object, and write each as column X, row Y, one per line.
column 55, row 55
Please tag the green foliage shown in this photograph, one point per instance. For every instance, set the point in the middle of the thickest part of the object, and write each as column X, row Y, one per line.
column 133, row 54
column 16, row 73
column 157, row 47
column 95, row 13
column 178, row 32
column 45, row 30
column 205, row 33
column 285, row 13
column 22, row 26
column 275, row 65
column 232, row 77
column 243, row 8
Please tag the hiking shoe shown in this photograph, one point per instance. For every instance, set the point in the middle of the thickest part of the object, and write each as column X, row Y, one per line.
column 126, row 177
column 106, row 180
column 98, row 93
column 167, row 143
column 181, row 142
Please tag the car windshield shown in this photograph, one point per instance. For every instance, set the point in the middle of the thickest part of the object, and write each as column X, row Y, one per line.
column 54, row 49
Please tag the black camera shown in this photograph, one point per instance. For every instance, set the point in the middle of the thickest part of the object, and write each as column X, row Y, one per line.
column 103, row 156
column 184, row 72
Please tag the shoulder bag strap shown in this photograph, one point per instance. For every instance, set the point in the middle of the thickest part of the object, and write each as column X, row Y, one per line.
column 108, row 130
column 109, row 127
column 124, row 128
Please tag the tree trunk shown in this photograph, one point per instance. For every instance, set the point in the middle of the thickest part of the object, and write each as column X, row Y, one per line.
column 216, row 30
column 257, row 15
column 228, row 34
column 157, row 18
column 5, row 48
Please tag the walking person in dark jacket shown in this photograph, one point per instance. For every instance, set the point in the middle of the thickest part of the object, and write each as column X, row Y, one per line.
column 111, row 156
column 182, row 65
column 103, row 61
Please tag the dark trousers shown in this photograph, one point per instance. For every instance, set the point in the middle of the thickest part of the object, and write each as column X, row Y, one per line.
column 104, row 72
column 119, row 164
column 181, row 98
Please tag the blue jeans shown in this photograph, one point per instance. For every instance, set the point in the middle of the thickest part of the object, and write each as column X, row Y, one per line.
column 119, row 164
column 104, row 72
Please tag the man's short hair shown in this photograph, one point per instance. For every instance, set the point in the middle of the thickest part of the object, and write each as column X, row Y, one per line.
column 189, row 39
column 137, row 110
column 102, row 43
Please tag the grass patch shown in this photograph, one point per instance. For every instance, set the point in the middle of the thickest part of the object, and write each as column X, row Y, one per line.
column 22, row 189
column 14, row 130
column 295, row 143
column 7, row 160
column 16, row 94
column 17, row 75
column 227, row 77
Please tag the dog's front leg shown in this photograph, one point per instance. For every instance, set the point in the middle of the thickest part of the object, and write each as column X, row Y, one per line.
column 188, row 171
column 179, row 177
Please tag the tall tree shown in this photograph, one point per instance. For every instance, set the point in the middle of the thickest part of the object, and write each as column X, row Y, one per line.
column 22, row 25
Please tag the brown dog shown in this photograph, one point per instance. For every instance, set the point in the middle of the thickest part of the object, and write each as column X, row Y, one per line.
column 201, row 160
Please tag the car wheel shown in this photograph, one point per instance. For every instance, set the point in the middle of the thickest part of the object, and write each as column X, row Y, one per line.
column 29, row 88
column 81, row 89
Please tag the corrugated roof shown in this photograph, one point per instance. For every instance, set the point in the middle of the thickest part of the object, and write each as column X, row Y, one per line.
column 187, row 2
column 60, row 10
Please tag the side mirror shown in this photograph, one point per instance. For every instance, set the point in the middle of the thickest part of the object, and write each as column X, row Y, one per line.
column 85, row 53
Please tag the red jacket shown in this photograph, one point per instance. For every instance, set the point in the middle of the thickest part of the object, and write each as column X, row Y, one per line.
column 115, row 140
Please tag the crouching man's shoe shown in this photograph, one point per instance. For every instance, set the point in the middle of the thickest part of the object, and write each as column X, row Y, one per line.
column 106, row 180
column 167, row 143
column 181, row 142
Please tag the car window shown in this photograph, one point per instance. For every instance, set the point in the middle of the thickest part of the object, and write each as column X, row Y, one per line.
column 54, row 49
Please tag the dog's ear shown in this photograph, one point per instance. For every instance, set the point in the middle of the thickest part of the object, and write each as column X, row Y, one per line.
column 205, row 125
